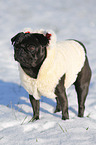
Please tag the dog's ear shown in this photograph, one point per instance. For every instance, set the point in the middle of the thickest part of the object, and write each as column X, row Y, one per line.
column 17, row 38
column 42, row 39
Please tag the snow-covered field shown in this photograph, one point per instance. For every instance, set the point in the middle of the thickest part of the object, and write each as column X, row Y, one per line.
column 69, row 19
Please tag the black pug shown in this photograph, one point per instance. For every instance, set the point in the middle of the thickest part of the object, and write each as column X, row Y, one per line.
column 31, row 51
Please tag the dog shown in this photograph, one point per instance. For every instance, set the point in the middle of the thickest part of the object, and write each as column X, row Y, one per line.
column 48, row 68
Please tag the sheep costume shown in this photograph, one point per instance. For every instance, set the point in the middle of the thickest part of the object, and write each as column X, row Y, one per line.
column 66, row 57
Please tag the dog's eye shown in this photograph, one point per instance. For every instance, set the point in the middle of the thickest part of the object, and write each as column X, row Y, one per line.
column 31, row 48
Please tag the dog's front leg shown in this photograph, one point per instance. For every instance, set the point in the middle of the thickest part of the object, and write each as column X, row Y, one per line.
column 60, row 92
column 35, row 105
column 58, row 106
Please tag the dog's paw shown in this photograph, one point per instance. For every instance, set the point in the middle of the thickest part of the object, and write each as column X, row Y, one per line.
column 81, row 112
column 65, row 116
column 80, row 115
column 57, row 110
column 34, row 119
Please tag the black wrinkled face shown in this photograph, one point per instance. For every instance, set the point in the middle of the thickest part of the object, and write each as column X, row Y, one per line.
column 29, row 49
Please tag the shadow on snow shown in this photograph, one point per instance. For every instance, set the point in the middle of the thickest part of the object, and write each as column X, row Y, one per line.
column 11, row 95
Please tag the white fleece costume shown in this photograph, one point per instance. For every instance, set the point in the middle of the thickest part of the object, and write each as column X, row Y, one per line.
column 66, row 57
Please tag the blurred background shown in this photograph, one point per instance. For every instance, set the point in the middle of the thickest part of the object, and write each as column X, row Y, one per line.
column 68, row 18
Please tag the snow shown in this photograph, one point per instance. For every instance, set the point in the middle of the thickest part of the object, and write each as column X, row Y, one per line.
column 71, row 19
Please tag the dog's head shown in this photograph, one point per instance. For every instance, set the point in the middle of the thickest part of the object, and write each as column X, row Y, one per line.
column 29, row 48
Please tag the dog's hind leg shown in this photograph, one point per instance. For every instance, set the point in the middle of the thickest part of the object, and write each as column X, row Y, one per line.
column 35, row 105
column 62, row 97
column 82, row 87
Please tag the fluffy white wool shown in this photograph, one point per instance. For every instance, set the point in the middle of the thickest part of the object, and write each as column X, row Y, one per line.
column 62, row 58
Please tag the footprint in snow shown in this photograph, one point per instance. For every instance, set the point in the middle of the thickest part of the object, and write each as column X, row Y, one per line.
column 38, row 126
column 4, row 125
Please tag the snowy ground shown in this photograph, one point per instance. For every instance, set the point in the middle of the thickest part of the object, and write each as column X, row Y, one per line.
column 69, row 19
